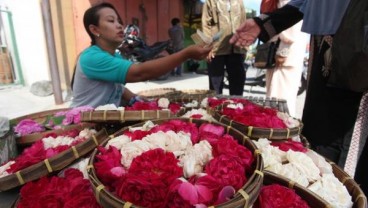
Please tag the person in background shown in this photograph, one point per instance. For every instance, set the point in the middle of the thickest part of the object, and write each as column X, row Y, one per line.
column 176, row 34
column 329, row 112
column 283, row 80
column 101, row 72
column 224, row 16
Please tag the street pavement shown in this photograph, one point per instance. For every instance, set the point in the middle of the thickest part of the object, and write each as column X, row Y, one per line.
column 17, row 101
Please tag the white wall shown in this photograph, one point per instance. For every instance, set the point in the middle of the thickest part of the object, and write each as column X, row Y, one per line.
column 30, row 37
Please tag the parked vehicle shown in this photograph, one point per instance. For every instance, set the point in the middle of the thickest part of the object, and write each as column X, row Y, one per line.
column 135, row 48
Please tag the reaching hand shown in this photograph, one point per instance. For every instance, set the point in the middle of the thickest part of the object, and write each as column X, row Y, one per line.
column 246, row 34
column 210, row 56
column 198, row 52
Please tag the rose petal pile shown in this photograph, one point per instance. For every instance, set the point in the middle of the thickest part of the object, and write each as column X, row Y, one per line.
column 160, row 104
column 42, row 149
column 72, row 190
column 277, row 196
column 251, row 114
column 174, row 164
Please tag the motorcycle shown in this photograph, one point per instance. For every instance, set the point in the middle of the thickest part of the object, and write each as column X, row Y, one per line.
column 136, row 50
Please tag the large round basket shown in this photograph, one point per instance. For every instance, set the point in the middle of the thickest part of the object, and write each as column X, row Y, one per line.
column 359, row 198
column 257, row 132
column 55, row 163
column 311, row 198
column 245, row 197
column 159, row 92
column 123, row 115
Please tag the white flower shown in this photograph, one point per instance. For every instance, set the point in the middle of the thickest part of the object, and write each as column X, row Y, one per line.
column 108, row 107
column 271, row 155
column 163, row 102
column 291, row 172
column 333, row 191
column 203, row 112
column 51, row 142
column 320, row 162
column 133, row 149
column 157, row 140
column 87, row 133
column 178, row 142
column 196, row 158
column 192, row 104
column 235, row 106
column 289, row 121
column 5, row 167
column 118, row 141
column 304, row 164
column 81, row 165
column 204, row 102
column 148, row 125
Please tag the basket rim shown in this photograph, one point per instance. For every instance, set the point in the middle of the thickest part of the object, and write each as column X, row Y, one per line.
column 52, row 164
column 258, row 132
column 169, row 91
column 250, row 188
column 127, row 115
column 37, row 115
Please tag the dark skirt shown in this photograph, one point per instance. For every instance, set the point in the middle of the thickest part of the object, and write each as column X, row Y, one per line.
column 329, row 113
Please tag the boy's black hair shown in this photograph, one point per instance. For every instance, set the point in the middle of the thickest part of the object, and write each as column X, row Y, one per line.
column 175, row 21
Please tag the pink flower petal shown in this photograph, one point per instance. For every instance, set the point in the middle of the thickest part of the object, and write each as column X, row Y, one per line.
column 188, row 192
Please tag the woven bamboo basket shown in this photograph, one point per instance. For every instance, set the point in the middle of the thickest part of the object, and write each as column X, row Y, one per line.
column 122, row 116
column 359, row 199
column 258, row 132
column 194, row 94
column 159, row 93
column 29, row 139
column 245, row 197
column 55, row 163
column 275, row 103
column 311, row 198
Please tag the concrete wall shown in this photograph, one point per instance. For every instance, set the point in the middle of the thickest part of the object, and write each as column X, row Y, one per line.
column 30, row 37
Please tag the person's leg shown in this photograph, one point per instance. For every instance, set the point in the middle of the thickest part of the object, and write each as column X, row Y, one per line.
column 216, row 73
column 178, row 70
column 235, row 70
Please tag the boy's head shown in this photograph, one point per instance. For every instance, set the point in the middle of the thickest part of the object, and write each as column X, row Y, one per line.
column 175, row 21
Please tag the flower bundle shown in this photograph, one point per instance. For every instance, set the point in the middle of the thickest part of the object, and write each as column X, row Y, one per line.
column 305, row 167
column 56, row 121
column 174, row 164
column 69, row 191
column 47, row 147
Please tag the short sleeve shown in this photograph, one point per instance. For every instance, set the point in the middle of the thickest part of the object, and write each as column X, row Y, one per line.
column 98, row 64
